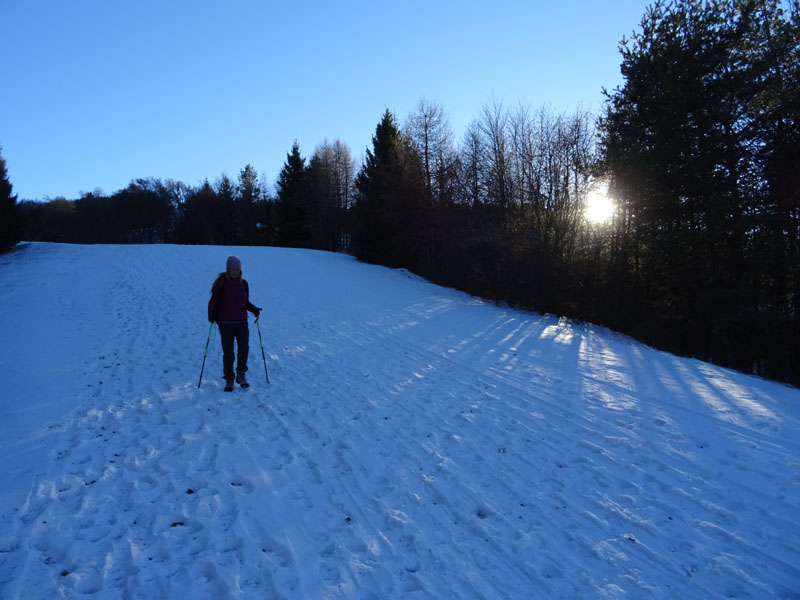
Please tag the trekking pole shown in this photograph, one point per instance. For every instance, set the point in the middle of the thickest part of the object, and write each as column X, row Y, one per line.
column 210, row 327
column 262, row 349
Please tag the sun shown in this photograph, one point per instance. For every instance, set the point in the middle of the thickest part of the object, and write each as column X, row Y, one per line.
column 599, row 206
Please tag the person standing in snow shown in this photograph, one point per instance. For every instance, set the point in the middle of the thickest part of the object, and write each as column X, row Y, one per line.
column 228, row 306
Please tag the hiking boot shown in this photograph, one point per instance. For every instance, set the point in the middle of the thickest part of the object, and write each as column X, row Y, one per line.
column 240, row 379
column 229, row 385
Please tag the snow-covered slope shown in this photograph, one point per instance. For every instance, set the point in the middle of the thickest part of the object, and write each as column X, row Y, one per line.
column 414, row 442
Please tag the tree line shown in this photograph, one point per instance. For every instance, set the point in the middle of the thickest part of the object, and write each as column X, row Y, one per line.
column 700, row 149
column 310, row 209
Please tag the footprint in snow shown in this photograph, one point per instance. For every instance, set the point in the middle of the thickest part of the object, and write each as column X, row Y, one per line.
column 243, row 485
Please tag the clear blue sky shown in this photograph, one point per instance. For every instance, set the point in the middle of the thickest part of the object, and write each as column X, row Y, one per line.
column 97, row 93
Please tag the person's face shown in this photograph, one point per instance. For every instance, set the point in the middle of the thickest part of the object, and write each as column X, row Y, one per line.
column 233, row 272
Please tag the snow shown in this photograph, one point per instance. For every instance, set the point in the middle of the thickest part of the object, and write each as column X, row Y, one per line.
column 414, row 442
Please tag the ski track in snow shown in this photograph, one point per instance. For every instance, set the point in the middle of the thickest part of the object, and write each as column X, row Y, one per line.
column 414, row 442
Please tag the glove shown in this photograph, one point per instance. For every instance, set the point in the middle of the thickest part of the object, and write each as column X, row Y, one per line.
column 211, row 318
column 256, row 311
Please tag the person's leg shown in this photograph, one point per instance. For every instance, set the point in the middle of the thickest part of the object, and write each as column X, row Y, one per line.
column 243, row 345
column 227, row 333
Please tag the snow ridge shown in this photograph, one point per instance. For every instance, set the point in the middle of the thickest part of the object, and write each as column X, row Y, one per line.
column 415, row 442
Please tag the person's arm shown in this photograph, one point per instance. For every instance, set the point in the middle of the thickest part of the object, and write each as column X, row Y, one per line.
column 250, row 306
column 213, row 304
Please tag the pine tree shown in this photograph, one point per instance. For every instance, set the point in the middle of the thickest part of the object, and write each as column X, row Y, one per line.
column 9, row 222
column 228, row 226
column 199, row 222
column 390, row 197
column 249, row 193
column 293, row 201
column 694, row 143
column 769, row 51
column 249, row 189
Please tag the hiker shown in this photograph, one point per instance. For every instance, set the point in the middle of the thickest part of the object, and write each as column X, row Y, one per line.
column 230, row 301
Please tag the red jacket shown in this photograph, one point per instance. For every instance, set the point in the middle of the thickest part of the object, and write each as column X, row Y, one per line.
column 230, row 300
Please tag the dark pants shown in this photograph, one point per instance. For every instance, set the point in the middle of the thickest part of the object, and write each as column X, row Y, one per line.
column 229, row 332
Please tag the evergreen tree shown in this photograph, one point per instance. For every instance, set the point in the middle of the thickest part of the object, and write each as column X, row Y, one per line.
column 249, row 187
column 228, row 226
column 694, row 143
column 769, row 53
column 148, row 211
column 390, row 198
column 249, row 193
column 293, row 201
column 9, row 222
column 201, row 216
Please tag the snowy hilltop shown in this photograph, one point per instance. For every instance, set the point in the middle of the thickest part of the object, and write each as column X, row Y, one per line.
column 413, row 442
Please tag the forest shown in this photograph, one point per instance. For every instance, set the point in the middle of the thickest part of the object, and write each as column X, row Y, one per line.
column 699, row 150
